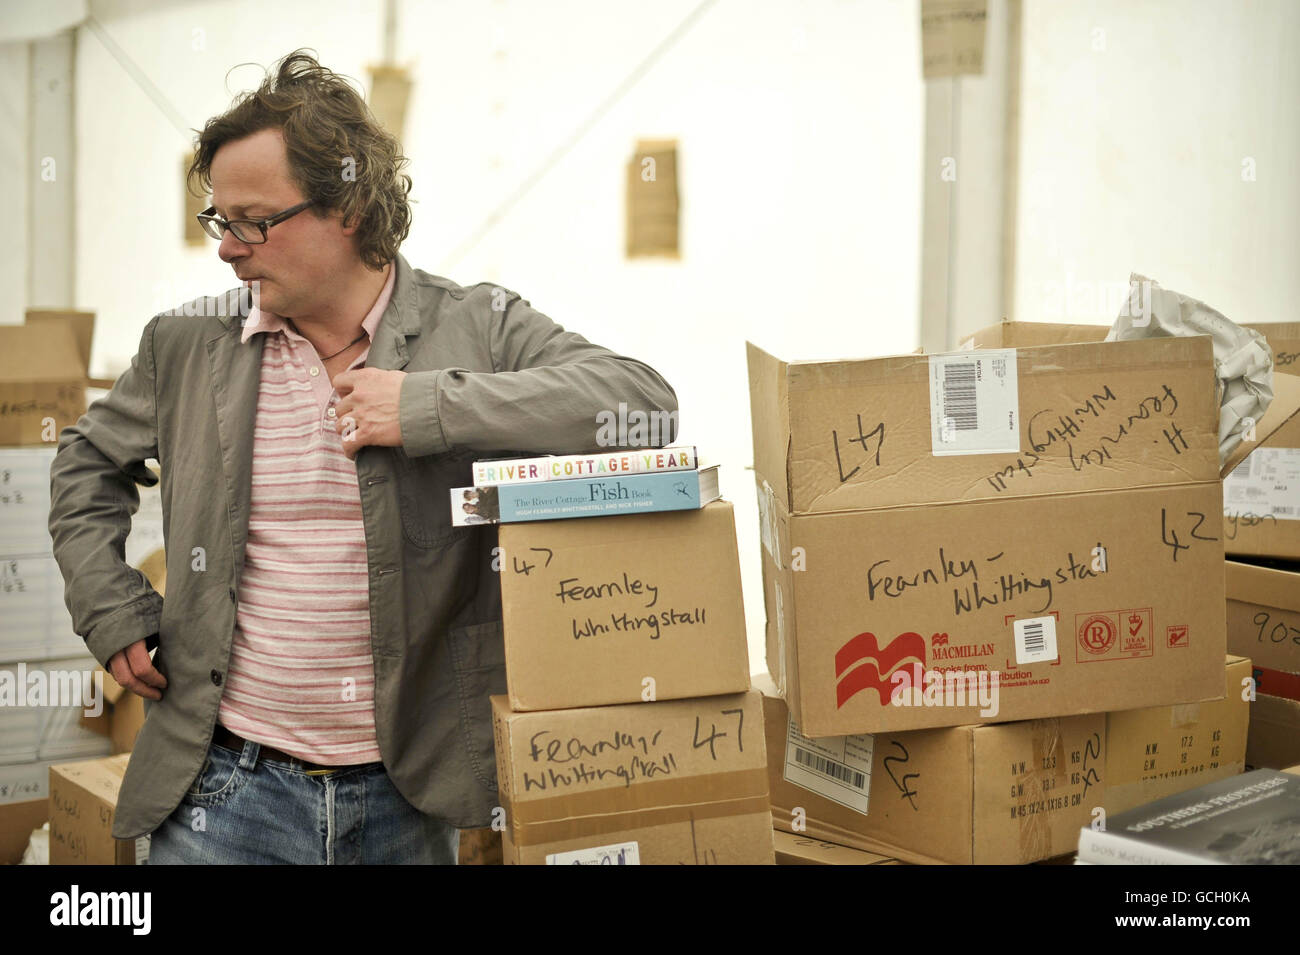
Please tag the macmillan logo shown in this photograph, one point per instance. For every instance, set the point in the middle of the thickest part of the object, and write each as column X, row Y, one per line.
column 862, row 664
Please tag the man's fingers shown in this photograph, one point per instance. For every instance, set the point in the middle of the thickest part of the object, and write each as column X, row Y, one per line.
column 344, row 382
column 121, row 671
column 344, row 407
column 137, row 656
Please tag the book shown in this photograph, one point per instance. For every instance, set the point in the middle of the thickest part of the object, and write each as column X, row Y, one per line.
column 565, row 467
column 1252, row 819
column 584, row 497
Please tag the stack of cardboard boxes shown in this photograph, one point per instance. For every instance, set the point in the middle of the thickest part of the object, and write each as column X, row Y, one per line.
column 976, row 567
column 43, row 663
column 629, row 733
column 1261, row 511
column 60, row 714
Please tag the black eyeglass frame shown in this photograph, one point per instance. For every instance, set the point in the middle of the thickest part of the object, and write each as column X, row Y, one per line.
column 223, row 225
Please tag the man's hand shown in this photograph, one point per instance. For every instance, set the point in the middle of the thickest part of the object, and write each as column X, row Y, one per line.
column 369, row 408
column 133, row 669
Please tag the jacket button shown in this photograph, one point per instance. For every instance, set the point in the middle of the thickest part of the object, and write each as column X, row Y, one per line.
column 232, row 595
column 216, row 678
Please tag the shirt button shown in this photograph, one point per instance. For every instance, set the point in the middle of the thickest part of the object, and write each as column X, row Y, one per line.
column 216, row 678
column 313, row 371
column 331, row 413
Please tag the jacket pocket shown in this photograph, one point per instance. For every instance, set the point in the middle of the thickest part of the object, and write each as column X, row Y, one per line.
column 423, row 486
column 478, row 659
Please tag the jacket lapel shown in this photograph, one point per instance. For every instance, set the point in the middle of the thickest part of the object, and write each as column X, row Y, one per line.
column 236, row 370
column 401, row 320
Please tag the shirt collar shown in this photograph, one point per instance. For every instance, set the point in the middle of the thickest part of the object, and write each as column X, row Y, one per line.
column 260, row 321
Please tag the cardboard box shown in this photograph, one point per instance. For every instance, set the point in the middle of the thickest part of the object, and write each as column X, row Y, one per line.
column 1024, row 334
column 1010, row 793
column 1264, row 621
column 685, row 780
column 83, row 800
column 123, row 715
column 800, row 850
column 1162, row 750
column 1274, row 739
column 479, row 847
column 1284, row 341
column 43, row 375
column 623, row 609
column 1261, row 493
column 17, row 820
column 887, row 558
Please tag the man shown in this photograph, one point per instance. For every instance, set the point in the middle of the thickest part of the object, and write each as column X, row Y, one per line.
column 328, row 643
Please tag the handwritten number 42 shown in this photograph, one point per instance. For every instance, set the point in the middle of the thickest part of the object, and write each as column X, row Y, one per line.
column 1169, row 534
column 714, row 735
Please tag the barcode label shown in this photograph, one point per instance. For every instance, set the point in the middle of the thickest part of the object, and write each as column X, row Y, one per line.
column 1263, row 489
column 974, row 402
column 960, row 411
column 831, row 768
column 835, row 767
column 1035, row 639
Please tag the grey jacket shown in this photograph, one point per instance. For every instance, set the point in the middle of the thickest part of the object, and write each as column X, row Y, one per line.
column 488, row 376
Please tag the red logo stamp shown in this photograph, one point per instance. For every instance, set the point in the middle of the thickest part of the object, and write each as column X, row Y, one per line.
column 1097, row 634
column 1136, row 639
column 877, row 664
column 1178, row 636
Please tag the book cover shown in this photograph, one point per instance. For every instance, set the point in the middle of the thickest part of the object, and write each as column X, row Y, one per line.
column 566, row 467
column 1252, row 819
column 584, row 497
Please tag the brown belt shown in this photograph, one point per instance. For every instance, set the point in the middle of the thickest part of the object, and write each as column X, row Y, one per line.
column 224, row 737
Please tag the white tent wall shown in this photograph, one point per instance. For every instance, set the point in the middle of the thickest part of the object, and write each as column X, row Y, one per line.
column 1141, row 124
column 15, row 173
column 800, row 145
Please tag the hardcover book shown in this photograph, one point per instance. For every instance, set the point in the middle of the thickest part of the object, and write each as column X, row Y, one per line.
column 566, row 467
column 584, row 497
column 1252, row 819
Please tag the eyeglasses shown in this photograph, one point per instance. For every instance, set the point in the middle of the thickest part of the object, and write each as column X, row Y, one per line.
column 250, row 231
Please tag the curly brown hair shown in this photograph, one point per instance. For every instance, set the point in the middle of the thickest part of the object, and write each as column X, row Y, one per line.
column 328, row 131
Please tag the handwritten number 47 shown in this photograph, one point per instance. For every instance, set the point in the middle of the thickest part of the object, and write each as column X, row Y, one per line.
column 714, row 735
column 1169, row 534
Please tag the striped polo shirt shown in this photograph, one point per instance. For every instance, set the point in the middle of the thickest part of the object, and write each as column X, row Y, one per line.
column 301, row 677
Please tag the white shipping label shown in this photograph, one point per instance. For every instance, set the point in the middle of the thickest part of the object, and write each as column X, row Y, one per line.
column 836, row 767
column 1265, row 484
column 974, row 402
column 1035, row 640
column 766, row 529
column 625, row 853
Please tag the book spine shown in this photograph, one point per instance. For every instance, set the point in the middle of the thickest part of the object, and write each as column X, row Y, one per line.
column 568, row 467
column 1099, row 847
column 597, row 497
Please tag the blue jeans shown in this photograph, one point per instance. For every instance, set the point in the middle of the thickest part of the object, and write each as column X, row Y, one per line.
column 241, row 810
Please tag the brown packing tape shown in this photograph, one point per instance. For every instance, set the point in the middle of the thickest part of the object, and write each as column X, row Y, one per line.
column 1035, row 828
column 1184, row 714
column 542, row 832
column 683, row 791
column 727, row 794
